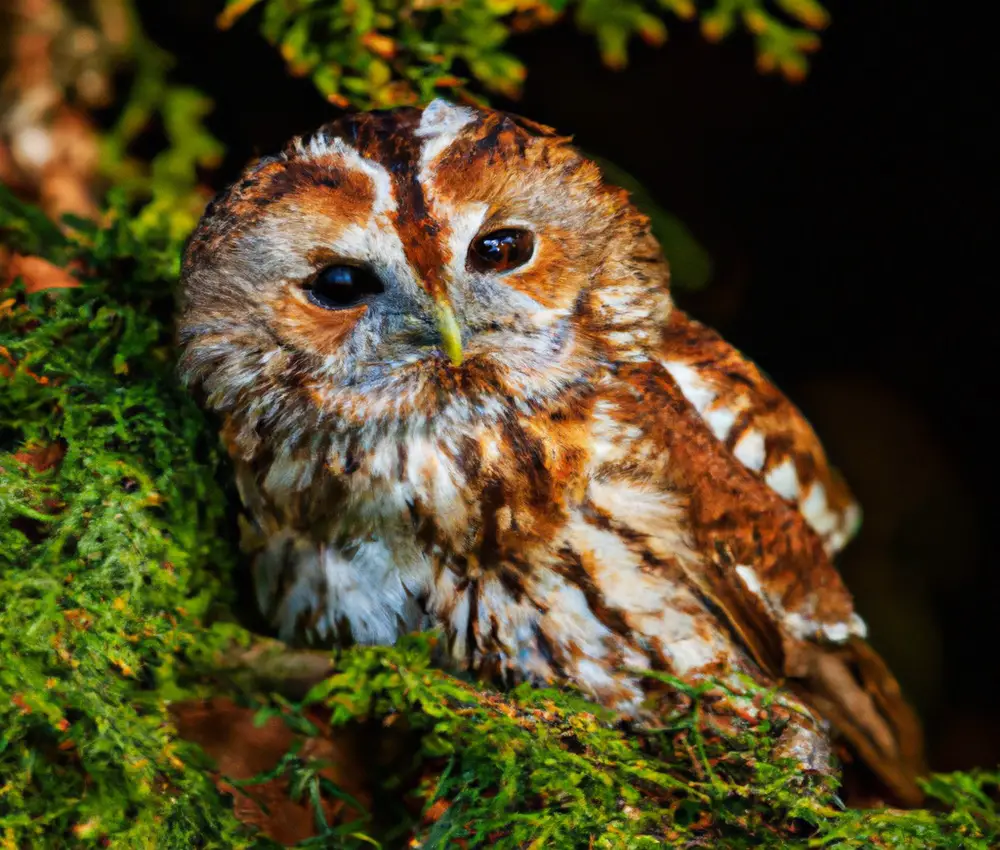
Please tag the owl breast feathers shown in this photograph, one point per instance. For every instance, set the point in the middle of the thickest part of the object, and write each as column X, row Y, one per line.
column 457, row 394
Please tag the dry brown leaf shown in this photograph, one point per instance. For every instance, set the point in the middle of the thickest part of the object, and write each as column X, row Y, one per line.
column 38, row 274
column 41, row 457
column 241, row 750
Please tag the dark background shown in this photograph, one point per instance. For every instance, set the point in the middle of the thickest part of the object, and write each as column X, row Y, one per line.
column 847, row 219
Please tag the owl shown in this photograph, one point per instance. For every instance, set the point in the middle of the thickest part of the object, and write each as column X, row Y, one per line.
column 458, row 394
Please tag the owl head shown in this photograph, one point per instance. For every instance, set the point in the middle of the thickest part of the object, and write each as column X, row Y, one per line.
column 402, row 264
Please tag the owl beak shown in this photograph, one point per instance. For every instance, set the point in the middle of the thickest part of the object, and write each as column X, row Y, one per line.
column 451, row 334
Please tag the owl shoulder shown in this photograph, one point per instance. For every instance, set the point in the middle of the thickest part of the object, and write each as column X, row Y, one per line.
column 759, row 426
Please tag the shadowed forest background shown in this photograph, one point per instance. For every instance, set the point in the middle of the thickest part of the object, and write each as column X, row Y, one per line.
column 846, row 219
column 839, row 230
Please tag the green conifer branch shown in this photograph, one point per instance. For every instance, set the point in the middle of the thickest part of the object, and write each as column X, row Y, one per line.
column 384, row 53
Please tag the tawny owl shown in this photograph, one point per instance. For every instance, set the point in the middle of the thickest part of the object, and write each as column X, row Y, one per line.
column 458, row 394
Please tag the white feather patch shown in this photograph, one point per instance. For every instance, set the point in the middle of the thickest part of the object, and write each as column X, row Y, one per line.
column 817, row 512
column 696, row 390
column 440, row 124
column 720, row 419
column 783, row 479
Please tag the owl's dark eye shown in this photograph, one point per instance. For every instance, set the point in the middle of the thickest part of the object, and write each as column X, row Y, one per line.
column 501, row 250
column 338, row 287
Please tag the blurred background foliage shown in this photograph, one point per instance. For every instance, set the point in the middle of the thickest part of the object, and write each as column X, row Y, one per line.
column 384, row 53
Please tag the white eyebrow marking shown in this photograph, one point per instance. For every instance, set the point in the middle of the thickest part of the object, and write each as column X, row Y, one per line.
column 464, row 221
column 385, row 200
column 320, row 147
column 376, row 241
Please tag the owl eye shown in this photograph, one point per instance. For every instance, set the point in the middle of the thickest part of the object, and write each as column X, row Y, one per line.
column 501, row 250
column 338, row 287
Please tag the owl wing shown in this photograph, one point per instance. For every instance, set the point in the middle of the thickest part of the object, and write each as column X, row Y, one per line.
column 760, row 426
column 765, row 568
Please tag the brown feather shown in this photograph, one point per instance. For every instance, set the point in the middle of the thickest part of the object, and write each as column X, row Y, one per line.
column 853, row 688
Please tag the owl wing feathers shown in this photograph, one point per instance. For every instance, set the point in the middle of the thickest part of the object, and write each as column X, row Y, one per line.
column 766, row 568
column 760, row 549
column 760, row 426
column 851, row 686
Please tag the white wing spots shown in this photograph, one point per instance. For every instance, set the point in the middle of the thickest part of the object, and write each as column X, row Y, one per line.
column 805, row 628
column 783, row 479
column 817, row 512
column 622, row 338
column 630, row 345
column 749, row 578
column 798, row 624
column 695, row 389
column 850, row 522
column 720, row 419
column 440, row 124
column 837, row 632
column 750, row 450
column 607, row 444
column 624, row 303
column 836, row 528
column 858, row 626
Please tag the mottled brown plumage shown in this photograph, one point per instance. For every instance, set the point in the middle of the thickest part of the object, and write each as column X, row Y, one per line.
column 458, row 394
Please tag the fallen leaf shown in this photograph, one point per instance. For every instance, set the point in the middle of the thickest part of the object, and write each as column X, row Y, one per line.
column 38, row 274
column 41, row 458
column 242, row 750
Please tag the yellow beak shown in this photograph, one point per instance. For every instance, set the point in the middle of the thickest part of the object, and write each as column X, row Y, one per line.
column 451, row 334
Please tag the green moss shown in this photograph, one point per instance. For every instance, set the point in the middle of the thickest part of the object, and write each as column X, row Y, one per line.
column 108, row 559
column 542, row 768
column 115, row 581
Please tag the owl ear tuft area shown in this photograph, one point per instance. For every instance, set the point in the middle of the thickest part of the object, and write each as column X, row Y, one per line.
column 442, row 116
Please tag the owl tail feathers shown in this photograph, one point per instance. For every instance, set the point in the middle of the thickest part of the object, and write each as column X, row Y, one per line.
column 852, row 687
